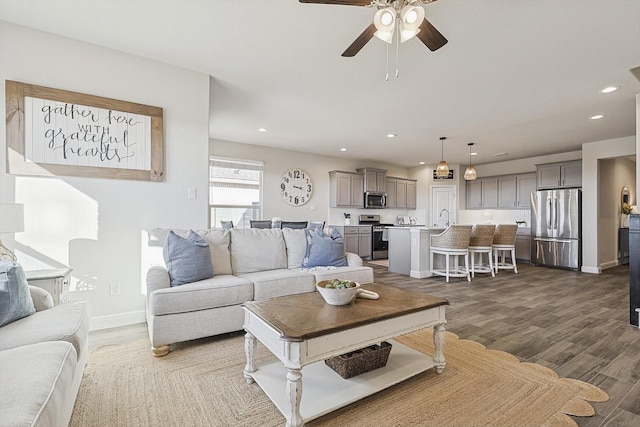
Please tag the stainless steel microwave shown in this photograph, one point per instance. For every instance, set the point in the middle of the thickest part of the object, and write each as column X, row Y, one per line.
column 375, row 200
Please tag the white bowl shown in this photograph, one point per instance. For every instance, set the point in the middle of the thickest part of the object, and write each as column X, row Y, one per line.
column 337, row 296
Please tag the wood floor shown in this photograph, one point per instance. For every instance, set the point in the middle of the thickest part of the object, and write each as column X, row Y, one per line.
column 574, row 323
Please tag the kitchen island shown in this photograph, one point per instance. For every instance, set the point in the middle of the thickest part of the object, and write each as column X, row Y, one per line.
column 409, row 250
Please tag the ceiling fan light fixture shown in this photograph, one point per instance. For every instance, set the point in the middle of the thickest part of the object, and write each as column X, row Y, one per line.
column 385, row 23
column 411, row 18
column 470, row 173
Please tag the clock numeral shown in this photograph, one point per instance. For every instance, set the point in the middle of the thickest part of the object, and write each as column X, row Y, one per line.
column 296, row 200
column 296, row 173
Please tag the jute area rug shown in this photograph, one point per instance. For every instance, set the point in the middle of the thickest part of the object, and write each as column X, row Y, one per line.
column 200, row 383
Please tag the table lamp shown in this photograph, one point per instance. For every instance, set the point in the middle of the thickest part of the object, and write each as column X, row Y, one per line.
column 11, row 221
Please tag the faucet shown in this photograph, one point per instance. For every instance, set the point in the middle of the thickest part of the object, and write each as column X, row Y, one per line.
column 440, row 216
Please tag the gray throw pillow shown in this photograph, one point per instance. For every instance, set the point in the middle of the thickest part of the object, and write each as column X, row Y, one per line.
column 187, row 259
column 323, row 250
column 15, row 298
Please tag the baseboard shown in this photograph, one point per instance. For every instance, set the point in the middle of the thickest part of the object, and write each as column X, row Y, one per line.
column 609, row 264
column 593, row 270
column 117, row 320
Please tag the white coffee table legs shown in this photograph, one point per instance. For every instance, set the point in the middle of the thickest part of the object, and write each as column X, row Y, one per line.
column 438, row 344
column 294, row 391
column 250, row 346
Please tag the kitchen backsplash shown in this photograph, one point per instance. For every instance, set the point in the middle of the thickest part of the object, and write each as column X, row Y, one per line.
column 502, row 216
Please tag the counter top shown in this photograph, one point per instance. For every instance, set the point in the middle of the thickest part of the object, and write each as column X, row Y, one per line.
column 410, row 227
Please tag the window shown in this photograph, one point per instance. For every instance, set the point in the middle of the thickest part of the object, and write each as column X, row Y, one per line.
column 235, row 191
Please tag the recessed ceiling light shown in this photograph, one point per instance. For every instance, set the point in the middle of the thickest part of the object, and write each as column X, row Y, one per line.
column 423, row 163
column 610, row 89
column 262, row 129
column 502, row 153
column 597, row 117
column 392, row 135
column 343, row 149
column 474, row 154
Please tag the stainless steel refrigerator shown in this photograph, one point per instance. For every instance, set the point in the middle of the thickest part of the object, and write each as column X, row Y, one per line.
column 556, row 228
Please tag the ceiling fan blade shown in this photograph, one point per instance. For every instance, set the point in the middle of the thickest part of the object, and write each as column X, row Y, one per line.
column 340, row 2
column 636, row 72
column 359, row 43
column 430, row 36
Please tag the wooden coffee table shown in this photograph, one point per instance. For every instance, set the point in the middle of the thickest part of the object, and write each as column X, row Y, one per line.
column 302, row 330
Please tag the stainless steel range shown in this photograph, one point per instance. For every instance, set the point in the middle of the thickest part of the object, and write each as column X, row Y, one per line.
column 379, row 242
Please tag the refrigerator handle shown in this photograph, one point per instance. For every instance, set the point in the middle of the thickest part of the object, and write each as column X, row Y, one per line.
column 548, row 213
column 556, row 208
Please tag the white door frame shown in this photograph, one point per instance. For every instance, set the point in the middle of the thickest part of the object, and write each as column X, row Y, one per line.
column 451, row 206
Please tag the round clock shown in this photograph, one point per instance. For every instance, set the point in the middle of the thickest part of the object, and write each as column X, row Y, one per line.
column 296, row 187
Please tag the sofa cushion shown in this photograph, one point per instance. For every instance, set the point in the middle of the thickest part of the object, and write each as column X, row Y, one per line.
column 296, row 242
column 66, row 322
column 37, row 382
column 324, row 250
column 255, row 249
column 218, row 244
column 218, row 291
column 276, row 283
column 15, row 298
column 219, row 241
column 187, row 259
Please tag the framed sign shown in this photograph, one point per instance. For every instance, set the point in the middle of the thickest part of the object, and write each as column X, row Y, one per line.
column 55, row 132
column 438, row 178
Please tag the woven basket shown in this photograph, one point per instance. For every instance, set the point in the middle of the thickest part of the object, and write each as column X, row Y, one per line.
column 360, row 361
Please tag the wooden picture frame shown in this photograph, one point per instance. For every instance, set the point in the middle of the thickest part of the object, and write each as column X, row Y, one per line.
column 53, row 132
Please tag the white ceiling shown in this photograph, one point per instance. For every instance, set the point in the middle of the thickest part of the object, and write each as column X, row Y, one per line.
column 520, row 77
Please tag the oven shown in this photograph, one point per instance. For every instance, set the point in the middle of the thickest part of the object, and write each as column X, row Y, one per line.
column 379, row 241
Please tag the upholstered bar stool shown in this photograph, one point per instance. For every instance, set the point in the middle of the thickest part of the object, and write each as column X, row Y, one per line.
column 454, row 241
column 504, row 242
column 481, row 243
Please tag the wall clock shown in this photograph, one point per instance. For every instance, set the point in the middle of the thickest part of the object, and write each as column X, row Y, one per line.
column 296, row 187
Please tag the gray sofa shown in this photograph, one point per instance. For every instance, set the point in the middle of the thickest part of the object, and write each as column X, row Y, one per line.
column 42, row 358
column 249, row 264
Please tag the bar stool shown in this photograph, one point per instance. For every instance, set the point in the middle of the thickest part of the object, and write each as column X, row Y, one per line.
column 504, row 242
column 481, row 243
column 454, row 241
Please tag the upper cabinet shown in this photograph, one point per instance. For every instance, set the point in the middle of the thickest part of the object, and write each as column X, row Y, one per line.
column 346, row 189
column 401, row 193
column 560, row 175
column 506, row 192
column 374, row 179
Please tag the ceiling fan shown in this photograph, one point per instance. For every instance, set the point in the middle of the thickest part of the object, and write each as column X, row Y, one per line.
column 405, row 15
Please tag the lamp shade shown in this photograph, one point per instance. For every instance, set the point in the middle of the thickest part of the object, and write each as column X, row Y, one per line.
column 411, row 18
column 442, row 169
column 385, row 22
column 11, row 218
column 470, row 173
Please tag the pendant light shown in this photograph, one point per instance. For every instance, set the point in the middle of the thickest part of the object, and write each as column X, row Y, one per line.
column 442, row 169
column 470, row 173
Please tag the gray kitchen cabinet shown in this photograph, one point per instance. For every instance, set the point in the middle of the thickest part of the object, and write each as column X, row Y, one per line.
column 507, row 191
column 374, row 179
column 504, row 192
column 401, row 194
column 357, row 239
column 559, row 175
column 523, row 245
column 391, row 192
column 412, row 194
column 526, row 185
column 474, row 194
column 482, row 193
column 346, row 189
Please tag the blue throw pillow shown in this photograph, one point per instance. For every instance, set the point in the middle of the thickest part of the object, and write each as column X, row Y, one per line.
column 323, row 250
column 15, row 298
column 188, row 260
